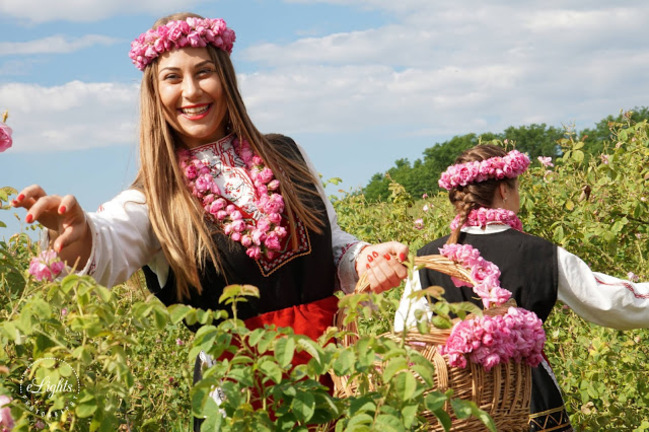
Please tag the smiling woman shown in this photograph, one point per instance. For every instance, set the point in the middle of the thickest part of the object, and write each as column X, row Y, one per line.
column 215, row 202
column 191, row 94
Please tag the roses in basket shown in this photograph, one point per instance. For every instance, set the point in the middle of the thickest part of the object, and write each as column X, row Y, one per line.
column 516, row 335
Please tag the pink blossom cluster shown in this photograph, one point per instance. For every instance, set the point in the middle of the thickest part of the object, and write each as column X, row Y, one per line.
column 511, row 165
column 6, row 420
column 191, row 32
column 546, row 161
column 485, row 274
column 46, row 266
column 490, row 340
column 261, row 238
column 483, row 216
column 5, row 137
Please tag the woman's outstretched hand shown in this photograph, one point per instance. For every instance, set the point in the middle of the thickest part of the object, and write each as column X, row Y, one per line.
column 69, row 233
column 383, row 264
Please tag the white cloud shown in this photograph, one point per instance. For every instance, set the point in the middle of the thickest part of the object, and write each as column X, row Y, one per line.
column 38, row 11
column 458, row 67
column 73, row 116
column 56, row 44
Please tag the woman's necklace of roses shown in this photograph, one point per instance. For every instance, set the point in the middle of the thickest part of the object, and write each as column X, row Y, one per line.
column 483, row 216
column 261, row 239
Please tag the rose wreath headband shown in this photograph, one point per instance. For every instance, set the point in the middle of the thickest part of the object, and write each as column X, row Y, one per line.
column 511, row 165
column 192, row 32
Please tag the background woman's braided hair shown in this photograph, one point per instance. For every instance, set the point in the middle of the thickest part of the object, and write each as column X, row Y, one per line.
column 475, row 195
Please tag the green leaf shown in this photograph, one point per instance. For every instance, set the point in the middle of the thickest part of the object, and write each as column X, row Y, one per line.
column 394, row 366
column 284, row 350
column 255, row 336
column 405, row 385
column 435, row 400
column 303, row 406
column 85, row 410
column 578, row 156
column 388, row 423
column 344, row 363
column 178, row 312
column 271, row 370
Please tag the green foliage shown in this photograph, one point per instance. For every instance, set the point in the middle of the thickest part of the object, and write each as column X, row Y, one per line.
column 596, row 208
column 128, row 359
column 421, row 176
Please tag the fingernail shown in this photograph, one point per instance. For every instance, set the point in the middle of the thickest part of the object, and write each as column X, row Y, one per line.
column 375, row 254
column 62, row 209
column 29, row 218
column 59, row 247
column 402, row 256
column 387, row 257
column 20, row 197
column 367, row 266
column 369, row 258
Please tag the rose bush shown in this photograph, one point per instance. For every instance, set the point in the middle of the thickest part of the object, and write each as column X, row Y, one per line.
column 134, row 374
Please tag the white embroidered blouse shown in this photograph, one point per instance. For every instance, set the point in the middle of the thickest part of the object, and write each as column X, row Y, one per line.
column 596, row 297
column 124, row 241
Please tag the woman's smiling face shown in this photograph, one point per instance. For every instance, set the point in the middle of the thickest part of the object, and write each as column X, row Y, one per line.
column 192, row 95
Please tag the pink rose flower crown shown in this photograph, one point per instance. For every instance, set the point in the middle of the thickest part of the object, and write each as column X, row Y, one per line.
column 489, row 340
column 190, row 32
column 511, row 165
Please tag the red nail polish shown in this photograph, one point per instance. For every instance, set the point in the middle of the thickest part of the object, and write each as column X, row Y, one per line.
column 20, row 197
column 62, row 209
column 375, row 254
column 402, row 256
column 29, row 218
column 387, row 257
column 369, row 258
column 367, row 266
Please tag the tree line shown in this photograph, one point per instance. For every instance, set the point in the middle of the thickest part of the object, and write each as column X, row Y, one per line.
column 420, row 177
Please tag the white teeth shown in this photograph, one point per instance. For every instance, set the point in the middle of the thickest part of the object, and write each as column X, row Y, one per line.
column 195, row 111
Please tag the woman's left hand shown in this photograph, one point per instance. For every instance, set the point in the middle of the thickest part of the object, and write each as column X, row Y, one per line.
column 383, row 264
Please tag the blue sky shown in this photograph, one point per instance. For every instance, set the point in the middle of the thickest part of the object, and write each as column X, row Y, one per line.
column 358, row 83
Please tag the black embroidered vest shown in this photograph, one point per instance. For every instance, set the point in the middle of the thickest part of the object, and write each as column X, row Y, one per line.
column 528, row 268
column 293, row 277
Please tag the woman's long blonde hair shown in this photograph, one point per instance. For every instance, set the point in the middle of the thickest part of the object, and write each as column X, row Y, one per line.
column 176, row 216
column 475, row 195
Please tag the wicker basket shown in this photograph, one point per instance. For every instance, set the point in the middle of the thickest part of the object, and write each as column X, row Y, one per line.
column 504, row 392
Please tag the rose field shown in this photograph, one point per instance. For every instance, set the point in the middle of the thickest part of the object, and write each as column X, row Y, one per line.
column 119, row 360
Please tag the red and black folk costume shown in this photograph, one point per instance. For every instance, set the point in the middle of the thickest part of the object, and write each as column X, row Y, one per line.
column 538, row 273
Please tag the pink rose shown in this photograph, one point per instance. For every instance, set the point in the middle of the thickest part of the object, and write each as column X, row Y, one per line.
column 6, row 420
column 266, row 175
column 263, row 224
column 272, row 242
column 273, row 185
column 239, row 226
column 5, row 137
column 46, row 266
column 204, row 183
column 195, row 40
column 254, row 252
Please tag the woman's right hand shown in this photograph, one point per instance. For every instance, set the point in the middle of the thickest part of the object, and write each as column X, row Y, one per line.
column 70, row 235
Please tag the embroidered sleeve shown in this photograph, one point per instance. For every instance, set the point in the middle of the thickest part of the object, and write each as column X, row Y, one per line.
column 600, row 298
column 345, row 246
column 122, row 239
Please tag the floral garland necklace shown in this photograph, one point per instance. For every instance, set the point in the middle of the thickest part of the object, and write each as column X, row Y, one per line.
column 483, row 216
column 263, row 238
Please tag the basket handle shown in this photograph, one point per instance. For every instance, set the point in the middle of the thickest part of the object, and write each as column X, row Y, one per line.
column 433, row 262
